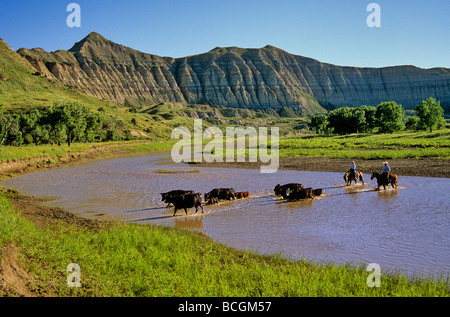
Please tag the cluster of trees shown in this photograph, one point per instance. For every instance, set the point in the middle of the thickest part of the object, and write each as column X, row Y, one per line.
column 68, row 122
column 387, row 117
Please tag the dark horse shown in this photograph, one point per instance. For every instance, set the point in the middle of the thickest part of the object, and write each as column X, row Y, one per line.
column 393, row 180
column 349, row 177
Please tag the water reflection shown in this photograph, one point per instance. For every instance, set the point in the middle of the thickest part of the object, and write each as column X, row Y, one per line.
column 189, row 222
column 388, row 194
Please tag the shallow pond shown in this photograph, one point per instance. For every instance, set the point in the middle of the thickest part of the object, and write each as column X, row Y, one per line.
column 406, row 229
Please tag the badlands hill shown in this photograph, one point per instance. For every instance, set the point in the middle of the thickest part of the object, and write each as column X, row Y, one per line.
column 267, row 77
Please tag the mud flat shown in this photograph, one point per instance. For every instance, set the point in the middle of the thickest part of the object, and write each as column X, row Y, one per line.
column 427, row 167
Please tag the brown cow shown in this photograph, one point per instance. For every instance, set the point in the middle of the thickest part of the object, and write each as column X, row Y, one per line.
column 242, row 194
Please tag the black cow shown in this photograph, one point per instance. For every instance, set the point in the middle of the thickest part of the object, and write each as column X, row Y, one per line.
column 284, row 190
column 298, row 194
column 317, row 192
column 185, row 201
column 177, row 192
column 221, row 193
column 212, row 201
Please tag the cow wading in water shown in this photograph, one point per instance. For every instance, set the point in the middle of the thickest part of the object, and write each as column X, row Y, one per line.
column 165, row 197
column 221, row 194
column 185, row 201
column 284, row 190
column 296, row 191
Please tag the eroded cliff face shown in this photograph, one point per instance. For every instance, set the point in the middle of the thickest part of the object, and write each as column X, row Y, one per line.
column 254, row 78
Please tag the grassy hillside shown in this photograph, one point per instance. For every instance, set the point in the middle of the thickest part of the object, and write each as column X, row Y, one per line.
column 22, row 86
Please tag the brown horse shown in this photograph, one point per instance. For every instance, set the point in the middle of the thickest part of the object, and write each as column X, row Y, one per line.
column 349, row 177
column 381, row 180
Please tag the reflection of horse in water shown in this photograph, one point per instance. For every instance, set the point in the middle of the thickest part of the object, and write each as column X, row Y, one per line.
column 350, row 176
column 381, row 180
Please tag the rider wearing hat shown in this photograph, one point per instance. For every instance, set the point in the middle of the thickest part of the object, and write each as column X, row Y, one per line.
column 353, row 169
column 386, row 171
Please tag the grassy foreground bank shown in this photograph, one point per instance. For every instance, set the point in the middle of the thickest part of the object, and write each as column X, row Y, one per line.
column 119, row 259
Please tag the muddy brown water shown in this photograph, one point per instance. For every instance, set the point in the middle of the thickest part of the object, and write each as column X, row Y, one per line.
column 406, row 230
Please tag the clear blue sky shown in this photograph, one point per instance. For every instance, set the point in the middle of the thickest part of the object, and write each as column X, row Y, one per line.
column 412, row 32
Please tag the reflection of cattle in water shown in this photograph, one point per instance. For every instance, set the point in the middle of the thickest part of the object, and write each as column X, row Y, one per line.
column 282, row 190
column 186, row 201
column 221, row 194
column 189, row 222
column 240, row 195
column 165, row 197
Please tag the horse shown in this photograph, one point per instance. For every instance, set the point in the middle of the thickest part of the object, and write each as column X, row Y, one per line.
column 381, row 180
column 349, row 177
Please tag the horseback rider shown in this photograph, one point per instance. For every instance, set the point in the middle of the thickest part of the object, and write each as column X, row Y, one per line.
column 353, row 169
column 386, row 171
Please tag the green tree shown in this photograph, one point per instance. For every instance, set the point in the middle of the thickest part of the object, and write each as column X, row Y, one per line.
column 111, row 135
column 10, row 128
column 93, row 125
column 320, row 123
column 5, row 120
column 73, row 116
column 32, row 126
column 358, row 120
column 340, row 120
column 412, row 123
column 370, row 115
column 430, row 113
column 347, row 120
column 389, row 117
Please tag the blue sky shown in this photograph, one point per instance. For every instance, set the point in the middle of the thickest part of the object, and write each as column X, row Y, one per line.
column 412, row 32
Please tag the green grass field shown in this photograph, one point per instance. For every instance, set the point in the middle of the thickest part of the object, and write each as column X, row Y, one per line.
column 120, row 259
column 11, row 153
column 370, row 146
column 354, row 146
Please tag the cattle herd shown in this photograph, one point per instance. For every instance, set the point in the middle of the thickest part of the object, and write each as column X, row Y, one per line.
column 183, row 199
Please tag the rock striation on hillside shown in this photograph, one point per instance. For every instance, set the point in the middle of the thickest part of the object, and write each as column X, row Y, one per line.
column 267, row 77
